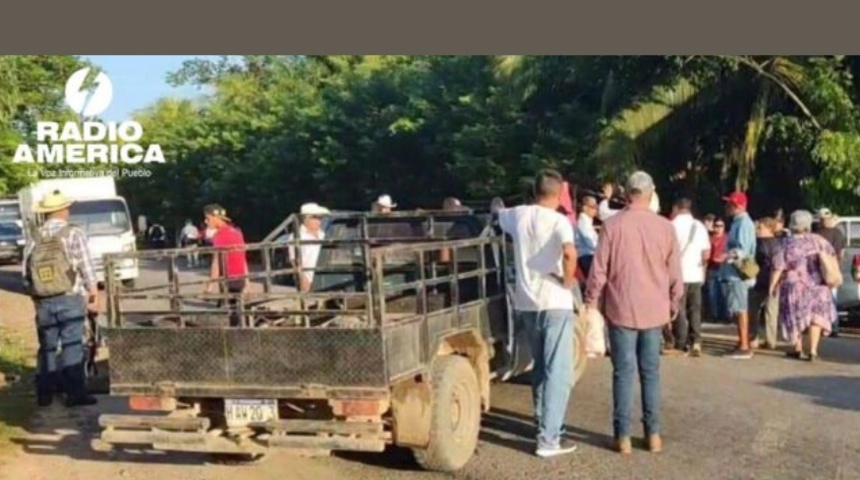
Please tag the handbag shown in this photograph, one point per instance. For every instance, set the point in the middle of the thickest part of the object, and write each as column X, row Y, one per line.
column 828, row 266
column 747, row 267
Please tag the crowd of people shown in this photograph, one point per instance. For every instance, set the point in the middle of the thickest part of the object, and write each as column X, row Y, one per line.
column 650, row 277
column 738, row 270
column 653, row 279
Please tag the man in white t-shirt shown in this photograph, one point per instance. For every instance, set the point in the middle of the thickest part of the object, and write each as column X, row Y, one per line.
column 695, row 246
column 189, row 237
column 311, row 229
column 545, row 263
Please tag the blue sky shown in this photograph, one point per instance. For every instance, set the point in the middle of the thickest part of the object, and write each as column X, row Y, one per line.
column 139, row 80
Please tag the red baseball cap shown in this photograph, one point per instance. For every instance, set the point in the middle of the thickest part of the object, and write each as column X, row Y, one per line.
column 737, row 198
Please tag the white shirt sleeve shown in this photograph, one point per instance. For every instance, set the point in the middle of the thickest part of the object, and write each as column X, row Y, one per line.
column 604, row 212
column 704, row 240
column 507, row 220
column 564, row 231
column 291, row 250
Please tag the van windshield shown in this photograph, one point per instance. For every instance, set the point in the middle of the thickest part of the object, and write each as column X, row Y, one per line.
column 100, row 217
column 9, row 211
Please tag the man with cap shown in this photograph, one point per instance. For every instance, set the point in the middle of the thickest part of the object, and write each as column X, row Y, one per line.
column 827, row 229
column 384, row 204
column 233, row 260
column 741, row 245
column 310, row 230
column 636, row 282
column 60, row 315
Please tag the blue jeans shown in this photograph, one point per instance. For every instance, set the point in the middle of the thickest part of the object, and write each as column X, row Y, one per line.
column 716, row 302
column 629, row 349
column 551, row 339
column 60, row 322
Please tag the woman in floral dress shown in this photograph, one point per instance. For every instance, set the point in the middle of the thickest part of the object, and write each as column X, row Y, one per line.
column 805, row 301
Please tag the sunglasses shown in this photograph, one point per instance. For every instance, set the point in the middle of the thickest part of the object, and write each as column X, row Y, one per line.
column 719, row 225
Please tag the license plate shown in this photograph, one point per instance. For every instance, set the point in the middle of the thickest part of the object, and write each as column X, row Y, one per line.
column 240, row 413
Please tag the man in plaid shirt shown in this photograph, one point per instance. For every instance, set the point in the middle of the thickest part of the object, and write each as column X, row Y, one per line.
column 60, row 319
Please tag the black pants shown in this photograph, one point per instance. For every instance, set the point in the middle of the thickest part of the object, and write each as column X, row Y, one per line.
column 234, row 286
column 688, row 324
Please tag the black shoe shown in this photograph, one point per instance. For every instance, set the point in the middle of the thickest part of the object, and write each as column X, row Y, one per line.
column 84, row 401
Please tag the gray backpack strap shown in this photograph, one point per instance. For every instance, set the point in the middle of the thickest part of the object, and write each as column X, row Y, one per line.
column 36, row 233
column 689, row 238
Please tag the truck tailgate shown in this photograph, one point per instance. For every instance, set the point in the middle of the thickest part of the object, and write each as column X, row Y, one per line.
column 272, row 357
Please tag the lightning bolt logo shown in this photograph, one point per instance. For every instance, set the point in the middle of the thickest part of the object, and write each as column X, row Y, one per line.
column 92, row 100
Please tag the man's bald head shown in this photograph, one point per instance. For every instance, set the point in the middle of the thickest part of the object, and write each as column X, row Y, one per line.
column 548, row 184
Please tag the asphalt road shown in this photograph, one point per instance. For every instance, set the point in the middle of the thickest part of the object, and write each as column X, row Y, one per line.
column 766, row 418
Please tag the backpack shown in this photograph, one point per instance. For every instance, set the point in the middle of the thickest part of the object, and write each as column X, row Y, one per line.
column 49, row 267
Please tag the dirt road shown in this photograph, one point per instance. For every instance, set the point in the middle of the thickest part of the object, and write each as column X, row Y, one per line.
column 768, row 418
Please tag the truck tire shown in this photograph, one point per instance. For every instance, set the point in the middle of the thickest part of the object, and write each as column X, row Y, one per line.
column 455, row 416
column 128, row 283
column 580, row 356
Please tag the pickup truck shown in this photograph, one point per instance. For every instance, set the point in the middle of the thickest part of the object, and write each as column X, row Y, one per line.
column 407, row 323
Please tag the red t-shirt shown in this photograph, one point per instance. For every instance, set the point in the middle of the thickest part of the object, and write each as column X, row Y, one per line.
column 236, row 263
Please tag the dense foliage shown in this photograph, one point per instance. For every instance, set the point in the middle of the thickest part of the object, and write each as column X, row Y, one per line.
column 276, row 131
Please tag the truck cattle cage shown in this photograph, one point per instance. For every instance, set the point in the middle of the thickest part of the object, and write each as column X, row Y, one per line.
column 407, row 322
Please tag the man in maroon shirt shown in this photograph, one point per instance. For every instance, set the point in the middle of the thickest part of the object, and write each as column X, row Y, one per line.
column 232, row 260
column 636, row 273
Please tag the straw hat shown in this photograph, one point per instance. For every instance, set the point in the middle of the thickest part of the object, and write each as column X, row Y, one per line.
column 385, row 201
column 53, row 202
column 313, row 209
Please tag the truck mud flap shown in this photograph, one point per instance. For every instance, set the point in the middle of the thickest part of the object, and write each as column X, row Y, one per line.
column 193, row 435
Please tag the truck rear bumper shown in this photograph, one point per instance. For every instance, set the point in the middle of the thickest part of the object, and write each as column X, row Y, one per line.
column 194, row 435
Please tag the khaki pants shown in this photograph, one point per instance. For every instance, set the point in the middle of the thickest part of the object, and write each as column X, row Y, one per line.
column 764, row 310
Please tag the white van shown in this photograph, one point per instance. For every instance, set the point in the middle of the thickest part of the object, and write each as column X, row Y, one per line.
column 98, row 210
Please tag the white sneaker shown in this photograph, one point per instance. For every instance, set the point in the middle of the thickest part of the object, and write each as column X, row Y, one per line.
column 562, row 447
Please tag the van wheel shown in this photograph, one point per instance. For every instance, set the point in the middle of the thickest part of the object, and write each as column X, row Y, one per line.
column 580, row 356
column 455, row 416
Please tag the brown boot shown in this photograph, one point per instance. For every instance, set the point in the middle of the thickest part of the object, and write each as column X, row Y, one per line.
column 624, row 445
column 655, row 443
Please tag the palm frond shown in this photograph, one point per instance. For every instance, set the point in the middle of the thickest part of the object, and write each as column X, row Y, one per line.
column 789, row 72
column 634, row 129
column 745, row 160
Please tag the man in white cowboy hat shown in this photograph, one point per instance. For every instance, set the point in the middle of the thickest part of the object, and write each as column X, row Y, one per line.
column 385, row 204
column 58, row 271
column 311, row 229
